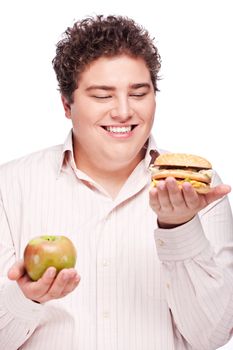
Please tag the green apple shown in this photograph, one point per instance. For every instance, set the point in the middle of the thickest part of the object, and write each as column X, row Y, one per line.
column 45, row 251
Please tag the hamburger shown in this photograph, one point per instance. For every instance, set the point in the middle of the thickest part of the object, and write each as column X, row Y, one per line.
column 184, row 168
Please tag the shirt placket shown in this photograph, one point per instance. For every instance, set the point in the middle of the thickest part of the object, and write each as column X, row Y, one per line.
column 106, row 286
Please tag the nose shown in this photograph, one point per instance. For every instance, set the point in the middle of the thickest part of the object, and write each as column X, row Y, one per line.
column 122, row 110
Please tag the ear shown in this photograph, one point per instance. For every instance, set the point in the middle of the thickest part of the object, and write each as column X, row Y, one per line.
column 66, row 106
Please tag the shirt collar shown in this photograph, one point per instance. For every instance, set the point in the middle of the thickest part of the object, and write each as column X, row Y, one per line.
column 67, row 153
column 152, row 152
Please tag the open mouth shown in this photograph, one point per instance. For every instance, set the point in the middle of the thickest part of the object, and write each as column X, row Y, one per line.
column 119, row 129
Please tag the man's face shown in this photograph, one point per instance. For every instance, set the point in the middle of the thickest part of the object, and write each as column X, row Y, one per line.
column 112, row 112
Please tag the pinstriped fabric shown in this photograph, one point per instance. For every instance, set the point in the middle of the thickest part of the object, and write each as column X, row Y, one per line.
column 142, row 288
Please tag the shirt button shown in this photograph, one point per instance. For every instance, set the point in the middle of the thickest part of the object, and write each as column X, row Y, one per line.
column 160, row 242
column 105, row 263
column 106, row 314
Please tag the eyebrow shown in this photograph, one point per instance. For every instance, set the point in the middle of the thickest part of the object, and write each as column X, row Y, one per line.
column 112, row 88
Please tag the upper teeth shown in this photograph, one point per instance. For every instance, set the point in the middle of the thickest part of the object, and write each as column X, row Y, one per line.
column 119, row 129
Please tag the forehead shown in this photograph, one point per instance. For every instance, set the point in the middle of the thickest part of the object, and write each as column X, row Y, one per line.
column 116, row 70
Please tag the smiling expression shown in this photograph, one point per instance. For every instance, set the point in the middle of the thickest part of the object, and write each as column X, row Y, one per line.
column 112, row 113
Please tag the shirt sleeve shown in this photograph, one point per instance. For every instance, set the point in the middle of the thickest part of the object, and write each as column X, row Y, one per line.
column 197, row 264
column 19, row 316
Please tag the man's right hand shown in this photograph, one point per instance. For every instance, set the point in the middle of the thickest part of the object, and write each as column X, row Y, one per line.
column 49, row 286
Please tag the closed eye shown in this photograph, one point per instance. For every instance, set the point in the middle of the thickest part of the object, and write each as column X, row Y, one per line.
column 102, row 97
column 138, row 95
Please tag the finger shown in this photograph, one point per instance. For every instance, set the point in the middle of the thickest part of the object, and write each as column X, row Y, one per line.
column 73, row 283
column 217, row 193
column 163, row 196
column 61, row 282
column 35, row 290
column 175, row 194
column 191, row 197
column 154, row 200
column 24, row 280
column 16, row 271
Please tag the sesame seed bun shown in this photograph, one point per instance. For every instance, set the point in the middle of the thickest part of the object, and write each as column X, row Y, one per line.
column 182, row 160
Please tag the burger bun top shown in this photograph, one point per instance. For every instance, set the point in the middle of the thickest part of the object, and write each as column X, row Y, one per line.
column 182, row 160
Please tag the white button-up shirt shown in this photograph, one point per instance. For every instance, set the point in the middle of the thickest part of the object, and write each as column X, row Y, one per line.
column 142, row 288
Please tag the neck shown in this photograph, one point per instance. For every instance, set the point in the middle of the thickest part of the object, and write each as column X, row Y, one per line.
column 110, row 182
column 110, row 176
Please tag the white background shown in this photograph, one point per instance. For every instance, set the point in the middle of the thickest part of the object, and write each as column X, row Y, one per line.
column 194, row 107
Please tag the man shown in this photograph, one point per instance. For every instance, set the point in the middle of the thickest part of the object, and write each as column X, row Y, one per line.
column 156, row 268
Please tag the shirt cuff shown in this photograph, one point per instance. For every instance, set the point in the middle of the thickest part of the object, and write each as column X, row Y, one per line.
column 15, row 302
column 182, row 242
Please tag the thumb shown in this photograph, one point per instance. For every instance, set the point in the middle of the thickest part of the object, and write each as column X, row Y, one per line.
column 217, row 193
column 16, row 271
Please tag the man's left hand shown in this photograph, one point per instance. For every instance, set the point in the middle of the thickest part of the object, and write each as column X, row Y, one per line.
column 176, row 205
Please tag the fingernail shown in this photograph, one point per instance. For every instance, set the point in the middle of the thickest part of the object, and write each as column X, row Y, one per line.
column 186, row 186
column 65, row 277
column 161, row 187
column 52, row 273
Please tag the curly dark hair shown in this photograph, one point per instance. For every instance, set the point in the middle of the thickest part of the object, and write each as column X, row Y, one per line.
column 98, row 36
